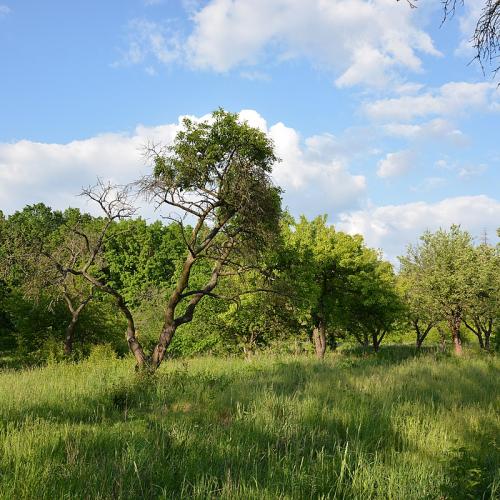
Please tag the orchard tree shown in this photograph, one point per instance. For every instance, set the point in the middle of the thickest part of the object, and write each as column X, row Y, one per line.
column 484, row 310
column 216, row 176
column 420, row 310
column 443, row 269
column 371, row 305
column 316, row 261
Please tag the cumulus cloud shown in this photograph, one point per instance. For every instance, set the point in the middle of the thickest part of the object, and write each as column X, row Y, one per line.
column 395, row 164
column 362, row 42
column 392, row 227
column 303, row 165
column 54, row 173
column 450, row 99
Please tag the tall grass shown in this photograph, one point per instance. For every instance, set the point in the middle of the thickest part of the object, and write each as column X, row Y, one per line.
column 354, row 426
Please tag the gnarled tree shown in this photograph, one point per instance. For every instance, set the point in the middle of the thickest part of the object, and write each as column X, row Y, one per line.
column 216, row 175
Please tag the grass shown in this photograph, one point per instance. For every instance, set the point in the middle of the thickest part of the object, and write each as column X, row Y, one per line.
column 390, row 426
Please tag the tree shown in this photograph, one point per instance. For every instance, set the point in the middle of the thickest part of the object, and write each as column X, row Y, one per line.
column 421, row 312
column 217, row 173
column 486, row 36
column 371, row 306
column 443, row 270
column 484, row 309
column 40, row 244
column 315, row 262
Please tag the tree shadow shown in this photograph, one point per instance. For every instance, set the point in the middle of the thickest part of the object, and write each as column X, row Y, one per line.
column 296, row 429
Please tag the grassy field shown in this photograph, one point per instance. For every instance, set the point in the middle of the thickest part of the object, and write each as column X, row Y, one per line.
column 354, row 426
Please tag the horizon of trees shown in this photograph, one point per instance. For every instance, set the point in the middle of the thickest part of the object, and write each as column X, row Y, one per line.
column 229, row 271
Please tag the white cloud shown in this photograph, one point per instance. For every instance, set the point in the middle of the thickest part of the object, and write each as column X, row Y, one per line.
column 54, row 173
column 429, row 183
column 5, row 10
column 464, row 172
column 437, row 129
column 313, row 164
column 395, row 164
column 362, row 42
column 392, row 227
column 146, row 40
column 450, row 99
column 469, row 171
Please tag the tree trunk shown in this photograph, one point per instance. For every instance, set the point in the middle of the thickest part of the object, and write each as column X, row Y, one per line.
column 442, row 338
column 319, row 339
column 477, row 331
column 162, row 345
column 421, row 335
column 487, row 334
column 455, row 322
column 333, row 341
column 70, row 334
column 133, row 344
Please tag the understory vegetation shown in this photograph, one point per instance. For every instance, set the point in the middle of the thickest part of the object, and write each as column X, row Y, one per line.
column 356, row 425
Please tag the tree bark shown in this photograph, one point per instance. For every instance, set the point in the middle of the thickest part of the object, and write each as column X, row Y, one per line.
column 133, row 344
column 421, row 335
column 477, row 332
column 161, row 347
column 75, row 314
column 319, row 339
column 455, row 322
column 70, row 333
column 377, row 338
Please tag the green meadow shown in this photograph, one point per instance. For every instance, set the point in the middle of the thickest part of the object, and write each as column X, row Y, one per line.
column 389, row 425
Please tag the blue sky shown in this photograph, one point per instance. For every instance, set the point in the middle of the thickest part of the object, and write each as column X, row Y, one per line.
column 375, row 113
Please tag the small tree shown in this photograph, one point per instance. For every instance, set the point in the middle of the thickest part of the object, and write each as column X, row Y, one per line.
column 371, row 306
column 421, row 312
column 443, row 267
column 316, row 263
column 484, row 309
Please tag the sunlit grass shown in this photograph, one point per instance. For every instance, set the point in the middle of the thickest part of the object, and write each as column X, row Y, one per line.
column 353, row 426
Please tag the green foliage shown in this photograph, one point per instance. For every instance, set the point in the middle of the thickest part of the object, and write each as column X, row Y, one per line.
column 334, row 278
column 443, row 271
column 142, row 258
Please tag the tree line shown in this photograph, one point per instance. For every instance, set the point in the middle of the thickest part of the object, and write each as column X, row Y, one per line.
column 226, row 269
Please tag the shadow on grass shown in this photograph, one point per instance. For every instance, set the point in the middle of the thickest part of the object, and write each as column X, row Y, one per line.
column 297, row 429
